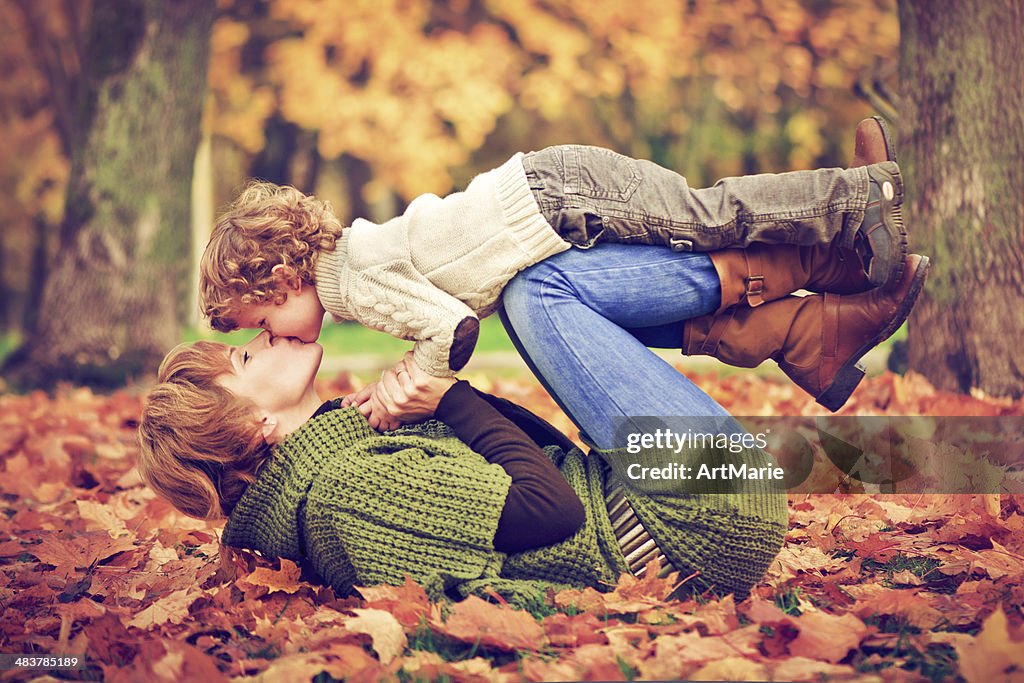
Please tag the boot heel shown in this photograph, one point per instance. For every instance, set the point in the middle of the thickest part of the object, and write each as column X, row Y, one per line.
column 842, row 386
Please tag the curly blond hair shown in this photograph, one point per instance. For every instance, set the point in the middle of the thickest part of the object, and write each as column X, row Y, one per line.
column 201, row 445
column 267, row 225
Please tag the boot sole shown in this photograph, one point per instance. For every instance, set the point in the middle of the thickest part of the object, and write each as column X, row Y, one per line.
column 892, row 223
column 890, row 145
column 852, row 371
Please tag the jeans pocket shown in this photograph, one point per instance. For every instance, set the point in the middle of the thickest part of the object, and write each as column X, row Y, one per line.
column 600, row 173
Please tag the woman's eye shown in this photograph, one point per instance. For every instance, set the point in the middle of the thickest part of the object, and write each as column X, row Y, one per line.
column 245, row 357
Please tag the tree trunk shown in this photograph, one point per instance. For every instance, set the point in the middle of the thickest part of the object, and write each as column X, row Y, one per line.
column 38, row 259
column 116, row 292
column 962, row 73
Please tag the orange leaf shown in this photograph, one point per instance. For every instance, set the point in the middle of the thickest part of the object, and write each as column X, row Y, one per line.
column 564, row 630
column 995, row 655
column 172, row 609
column 284, row 580
column 731, row 669
column 67, row 551
column 827, row 636
column 806, row 669
column 915, row 608
column 476, row 620
column 408, row 603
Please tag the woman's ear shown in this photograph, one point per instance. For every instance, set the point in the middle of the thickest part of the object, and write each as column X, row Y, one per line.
column 268, row 425
column 287, row 276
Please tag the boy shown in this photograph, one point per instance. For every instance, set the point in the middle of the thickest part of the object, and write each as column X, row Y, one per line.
column 278, row 259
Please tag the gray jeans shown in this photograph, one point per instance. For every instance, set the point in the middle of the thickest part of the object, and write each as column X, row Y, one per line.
column 591, row 194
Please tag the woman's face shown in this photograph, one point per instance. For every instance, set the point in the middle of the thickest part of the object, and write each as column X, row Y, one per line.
column 275, row 373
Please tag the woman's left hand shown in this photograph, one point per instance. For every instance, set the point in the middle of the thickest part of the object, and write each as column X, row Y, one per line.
column 408, row 393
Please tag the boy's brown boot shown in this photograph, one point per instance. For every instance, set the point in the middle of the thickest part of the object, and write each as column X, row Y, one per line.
column 763, row 273
column 873, row 143
column 817, row 340
column 881, row 241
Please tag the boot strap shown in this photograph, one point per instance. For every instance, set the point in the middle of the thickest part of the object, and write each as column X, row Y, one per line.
column 830, row 326
column 755, row 278
column 718, row 327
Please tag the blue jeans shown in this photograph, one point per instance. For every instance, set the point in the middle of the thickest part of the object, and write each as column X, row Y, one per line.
column 583, row 320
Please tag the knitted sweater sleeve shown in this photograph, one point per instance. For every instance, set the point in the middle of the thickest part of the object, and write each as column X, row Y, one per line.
column 541, row 507
column 397, row 505
column 396, row 298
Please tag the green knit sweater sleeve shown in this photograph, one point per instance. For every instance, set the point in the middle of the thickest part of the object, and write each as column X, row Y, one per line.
column 421, row 505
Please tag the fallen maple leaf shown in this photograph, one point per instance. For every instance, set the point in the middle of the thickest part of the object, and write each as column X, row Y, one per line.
column 731, row 669
column 912, row 606
column 171, row 609
column 563, row 630
column 80, row 550
column 806, row 669
column 408, row 603
column 476, row 620
column 385, row 632
column 793, row 560
column 993, row 655
column 827, row 637
column 585, row 600
column 283, row 580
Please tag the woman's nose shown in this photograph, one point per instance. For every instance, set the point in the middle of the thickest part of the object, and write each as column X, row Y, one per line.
column 261, row 340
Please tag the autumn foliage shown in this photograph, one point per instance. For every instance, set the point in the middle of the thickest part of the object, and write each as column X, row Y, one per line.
column 906, row 587
column 370, row 103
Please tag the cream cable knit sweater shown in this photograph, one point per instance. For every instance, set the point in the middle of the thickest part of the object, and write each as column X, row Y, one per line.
column 417, row 276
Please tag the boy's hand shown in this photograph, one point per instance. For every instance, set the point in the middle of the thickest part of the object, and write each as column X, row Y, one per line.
column 376, row 415
column 379, row 418
column 408, row 393
column 358, row 398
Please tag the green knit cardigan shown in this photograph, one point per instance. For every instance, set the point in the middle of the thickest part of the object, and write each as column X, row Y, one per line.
column 361, row 508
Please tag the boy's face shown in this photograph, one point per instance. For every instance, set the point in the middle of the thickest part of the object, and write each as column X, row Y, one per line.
column 301, row 315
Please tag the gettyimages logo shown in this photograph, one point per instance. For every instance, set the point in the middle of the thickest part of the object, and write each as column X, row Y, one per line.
column 828, row 454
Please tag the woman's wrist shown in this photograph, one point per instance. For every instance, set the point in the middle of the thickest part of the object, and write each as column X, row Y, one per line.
column 455, row 399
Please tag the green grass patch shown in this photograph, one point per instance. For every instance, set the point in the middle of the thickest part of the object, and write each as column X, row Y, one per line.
column 938, row 661
column 924, row 567
column 349, row 338
column 921, row 566
column 789, row 601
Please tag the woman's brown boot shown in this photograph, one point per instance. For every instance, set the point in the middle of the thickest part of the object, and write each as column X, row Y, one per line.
column 817, row 340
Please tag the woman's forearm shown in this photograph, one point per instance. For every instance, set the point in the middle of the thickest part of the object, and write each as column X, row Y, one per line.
column 541, row 507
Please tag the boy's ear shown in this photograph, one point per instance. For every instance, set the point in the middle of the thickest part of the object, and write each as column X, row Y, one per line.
column 287, row 276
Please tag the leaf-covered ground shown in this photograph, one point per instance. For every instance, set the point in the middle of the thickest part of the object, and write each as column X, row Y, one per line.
column 867, row 587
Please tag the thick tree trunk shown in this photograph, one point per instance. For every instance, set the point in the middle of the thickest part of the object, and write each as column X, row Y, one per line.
column 962, row 73
column 116, row 292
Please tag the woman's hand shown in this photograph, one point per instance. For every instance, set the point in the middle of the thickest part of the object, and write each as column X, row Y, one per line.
column 407, row 393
